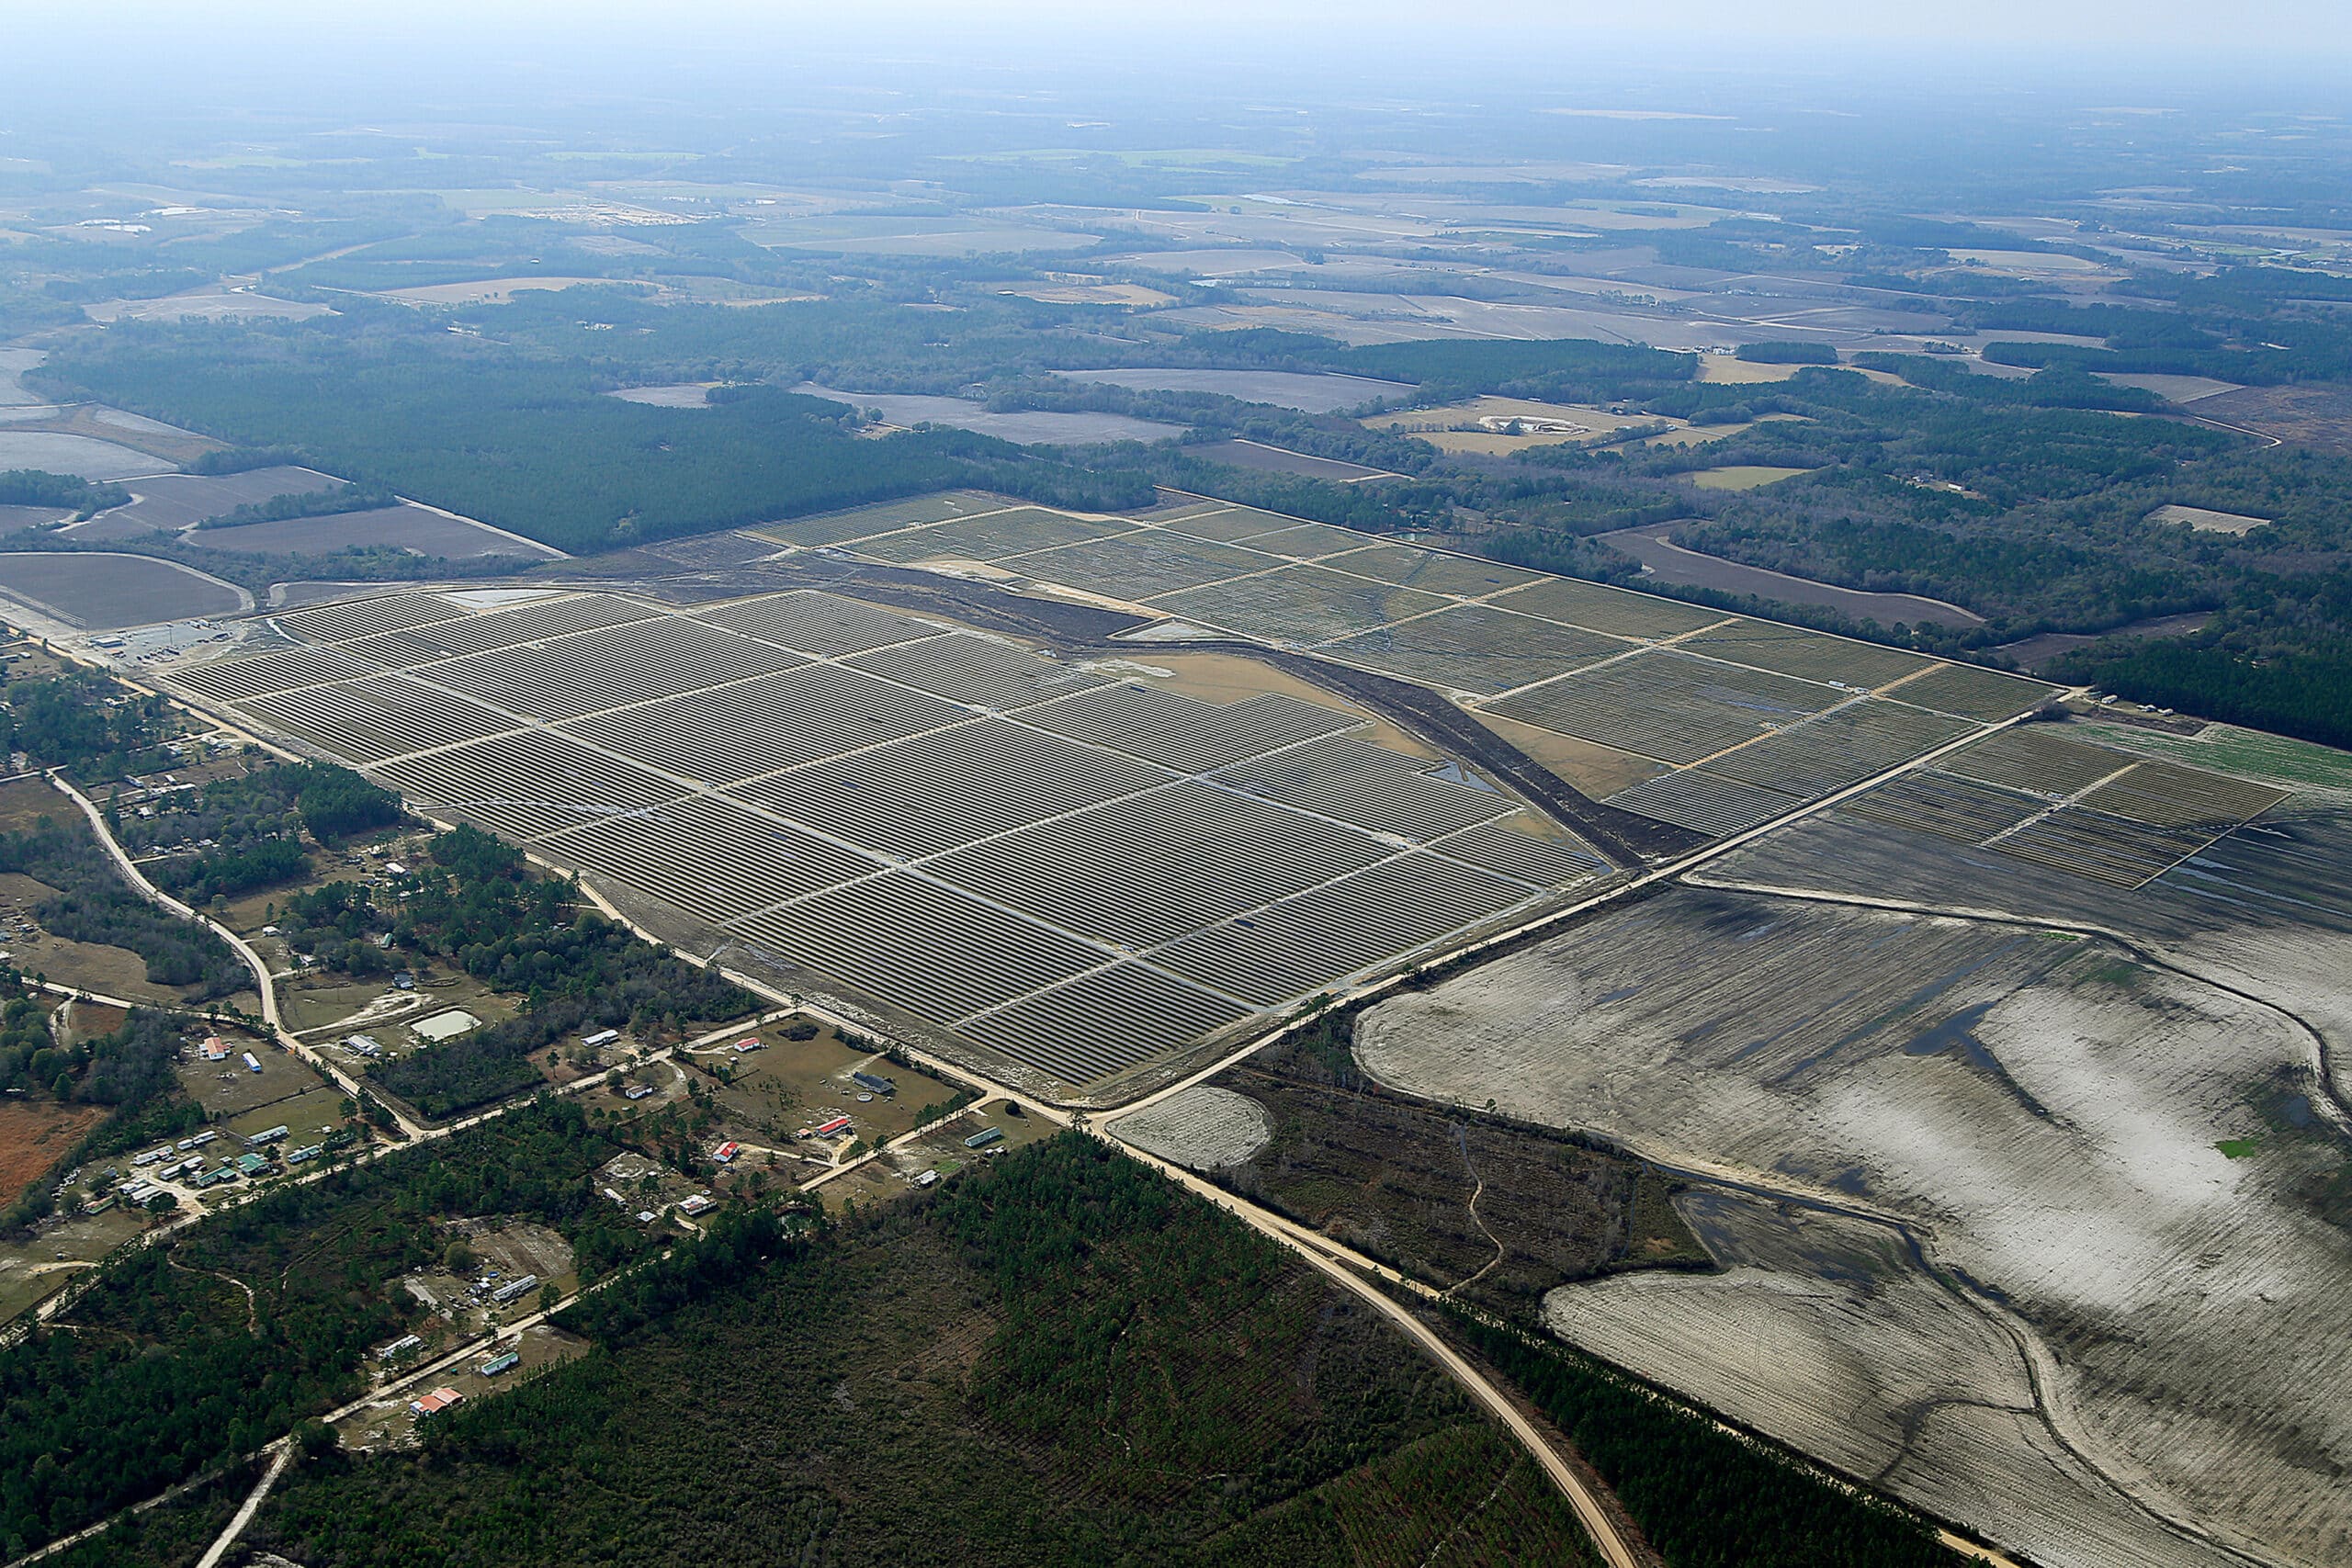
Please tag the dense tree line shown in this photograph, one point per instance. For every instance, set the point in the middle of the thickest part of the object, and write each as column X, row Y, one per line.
column 67, row 492
column 1704, row 1498
column 1220, row 1401
column 86, row 725
column 527, row 444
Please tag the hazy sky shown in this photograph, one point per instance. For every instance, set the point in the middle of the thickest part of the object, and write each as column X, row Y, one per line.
column 73, row 59
column 2287, row 30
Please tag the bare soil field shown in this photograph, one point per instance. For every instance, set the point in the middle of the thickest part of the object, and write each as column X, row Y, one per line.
column 1203, row 1128
column 1027, row 426
column 35, row 1137
column 31, row 1272
column 2172, row 389
column 1595, row 769
column 2035, row 652
column 675, row 395
column 1309, row 393
column 14, row 363
column 2205, row 520
column 1282, row 460
column 1134, row 296
column 1230, row 678
column 2318, row 416
column 1743, row 475
column 1666, row 562
column 2045, row 1115
column 170, row 503
column 489, row 291
column 103, row 591
column 417, row 529
column 86, row 455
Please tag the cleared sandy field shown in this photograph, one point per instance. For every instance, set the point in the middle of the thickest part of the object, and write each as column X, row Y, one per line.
column 1309, row 393
column 34, row 1137
column 85, row 456
column 2205, row 520
column 2045, row 1115
column 1577, row 424
column 1202, row 1128
column 1744, row 476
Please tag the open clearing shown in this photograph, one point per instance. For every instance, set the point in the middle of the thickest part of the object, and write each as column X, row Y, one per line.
column 1309, row 393
column 2045, row 1112
column 102, row 590
column 1743, row 475
column 2204, row 520
column 34, row 1137
column 1670, row 562
column 1283, row 460
column 420, row 530
column 1030, row 427
column 1500, row 426
column 84, row 455
column 169, row 502
column 491, row 291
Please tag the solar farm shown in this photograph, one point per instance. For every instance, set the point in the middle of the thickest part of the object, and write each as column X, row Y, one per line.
column 1083, row 872
column 1065, row 868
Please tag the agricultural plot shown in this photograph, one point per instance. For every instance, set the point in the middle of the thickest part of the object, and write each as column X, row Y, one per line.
column 85, row 456
column 169, row 502
column 1669, row 705
column 1311, row 393
column 419, row 530
column 110, row 590
column 1299, row 604
column 1476, row 647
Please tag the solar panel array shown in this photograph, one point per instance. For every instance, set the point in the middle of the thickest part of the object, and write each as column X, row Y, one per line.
column 1665, row 681
column 1077, row 872
column 2071, row 805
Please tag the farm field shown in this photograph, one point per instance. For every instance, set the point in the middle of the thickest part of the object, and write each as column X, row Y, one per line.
column 170, row 503
column 1743, row 475
column 1282, row 460
column 1027, row 426
column 2204, row 520
column 86, row 457
column 2047, row 1110
column 1283, row 389
column 105, row 590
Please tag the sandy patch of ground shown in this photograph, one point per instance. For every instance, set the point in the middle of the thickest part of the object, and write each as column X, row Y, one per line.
column 1229, row 678
column 2045, row 1113
column 1591, row 767
column 1202, row 1128
column 1744, row 476
column 1498, row 426
column 2205, row 520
